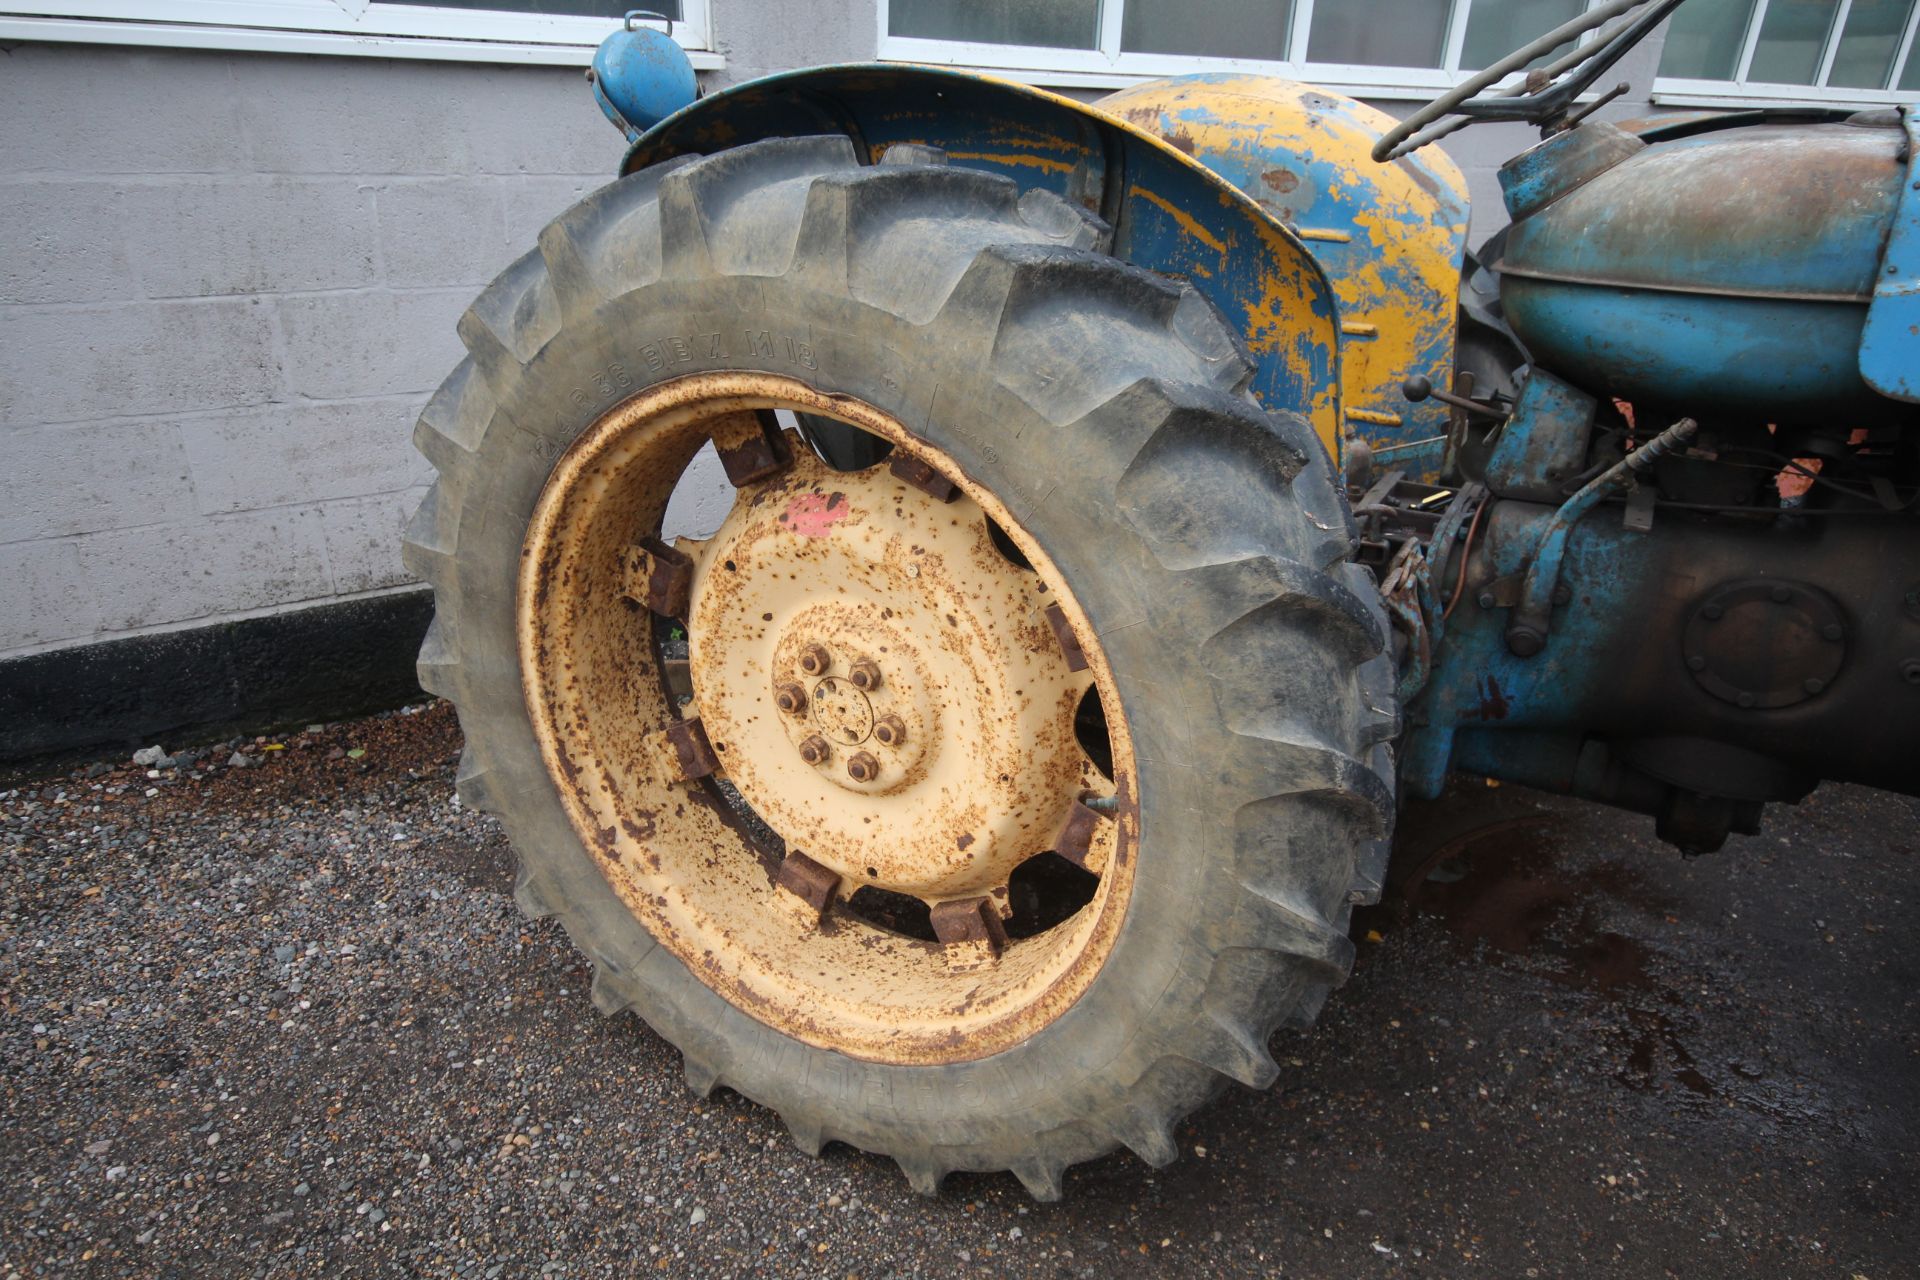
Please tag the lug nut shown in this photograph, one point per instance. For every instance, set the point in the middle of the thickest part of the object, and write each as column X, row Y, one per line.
column 790, row 698
column 863, row 767
column 865, row 676
column 814, row 660
column 814, row 749
column 890, row 730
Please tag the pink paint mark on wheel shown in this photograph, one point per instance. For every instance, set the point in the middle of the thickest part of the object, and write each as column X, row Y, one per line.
column 813, row 515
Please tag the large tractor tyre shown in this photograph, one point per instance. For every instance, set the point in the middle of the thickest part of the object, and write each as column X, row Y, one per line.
column 1028, row 775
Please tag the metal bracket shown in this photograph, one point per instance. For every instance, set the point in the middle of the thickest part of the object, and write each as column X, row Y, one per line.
column 1638, row 517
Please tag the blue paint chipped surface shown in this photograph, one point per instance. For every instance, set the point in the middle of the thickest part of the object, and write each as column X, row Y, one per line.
column 1890, row 342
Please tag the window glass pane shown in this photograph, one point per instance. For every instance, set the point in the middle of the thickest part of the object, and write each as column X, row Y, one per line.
column 565, row 8
column 1793, row 35
column 1910, row 76
column 1217, row 28
column 1056, row 24
column 1496, row 28
column 1380, row 33
column 1703, row 39
column 1869, row 43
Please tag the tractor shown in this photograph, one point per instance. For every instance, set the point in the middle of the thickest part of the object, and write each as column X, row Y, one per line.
column 1133, row 504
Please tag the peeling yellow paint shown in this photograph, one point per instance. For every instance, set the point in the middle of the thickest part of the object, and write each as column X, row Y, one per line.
column 1188, row 223
column 1046, row 163
column 1394, row 234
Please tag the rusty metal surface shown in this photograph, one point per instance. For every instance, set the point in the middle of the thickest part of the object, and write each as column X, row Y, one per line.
column 750, row 447
column 693, row 755
column 972, row 933
column 1079, row 839
column 881, row 600
column 972, row 685
column 657, row 576
column 922, row 477
column 814, row 885
column 1063, row 635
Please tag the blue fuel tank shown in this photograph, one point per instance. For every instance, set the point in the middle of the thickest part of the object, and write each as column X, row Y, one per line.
column 1729, row 270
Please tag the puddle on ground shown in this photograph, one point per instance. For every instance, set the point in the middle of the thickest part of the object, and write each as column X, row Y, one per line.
column 1493, row 872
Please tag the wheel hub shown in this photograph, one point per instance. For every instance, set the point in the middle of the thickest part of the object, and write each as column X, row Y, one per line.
column 935, row 750
column 842, row 711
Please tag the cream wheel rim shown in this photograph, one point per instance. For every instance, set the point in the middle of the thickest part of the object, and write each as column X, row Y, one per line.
column 889, row 679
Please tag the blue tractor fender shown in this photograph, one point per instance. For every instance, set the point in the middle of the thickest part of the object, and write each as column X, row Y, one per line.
column 1169, row 213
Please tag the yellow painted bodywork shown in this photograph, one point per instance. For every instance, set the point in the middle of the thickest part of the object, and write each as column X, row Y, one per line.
column 1390, row 237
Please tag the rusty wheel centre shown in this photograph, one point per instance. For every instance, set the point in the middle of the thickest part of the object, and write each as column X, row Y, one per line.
column 889, row 694
column 877, row 678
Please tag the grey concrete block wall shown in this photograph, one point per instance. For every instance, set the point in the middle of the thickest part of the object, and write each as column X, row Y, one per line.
column 229, row 281
column 227, row 285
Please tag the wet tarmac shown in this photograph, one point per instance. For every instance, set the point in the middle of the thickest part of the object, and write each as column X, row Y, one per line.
column 1565, row 1051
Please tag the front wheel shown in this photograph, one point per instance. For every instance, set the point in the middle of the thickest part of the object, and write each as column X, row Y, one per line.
column 1028, row 771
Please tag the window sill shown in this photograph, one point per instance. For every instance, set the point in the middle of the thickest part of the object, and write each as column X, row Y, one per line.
column 174, row 35
column 1703, row 93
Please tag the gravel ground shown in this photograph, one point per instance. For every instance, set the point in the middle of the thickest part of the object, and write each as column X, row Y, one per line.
column 282, row 1019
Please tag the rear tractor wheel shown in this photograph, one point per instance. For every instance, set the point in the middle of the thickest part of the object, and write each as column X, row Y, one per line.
column 1035, row 748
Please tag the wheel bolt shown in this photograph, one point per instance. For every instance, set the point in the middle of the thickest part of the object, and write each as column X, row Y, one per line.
column 814, row 749
column 790, row 698
column 890, row 730
column 814, row 660
column 863, row 767
column 865, row 676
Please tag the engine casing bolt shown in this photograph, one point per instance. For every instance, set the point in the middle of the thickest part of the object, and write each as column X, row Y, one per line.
column 863, row 767
column 865, row 675
column 890, row 730
column 790, row 698
column 814, row 660
column 814, row 749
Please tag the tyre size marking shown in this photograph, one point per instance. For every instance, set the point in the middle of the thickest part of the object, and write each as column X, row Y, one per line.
column 604, row 385
column 754, row 344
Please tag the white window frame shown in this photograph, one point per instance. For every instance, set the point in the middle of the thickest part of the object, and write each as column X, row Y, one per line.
column 1109, row 66
column 1739, row 91
column 366, row 28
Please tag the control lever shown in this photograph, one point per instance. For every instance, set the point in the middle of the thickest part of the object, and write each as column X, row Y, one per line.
column 1418, row 388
